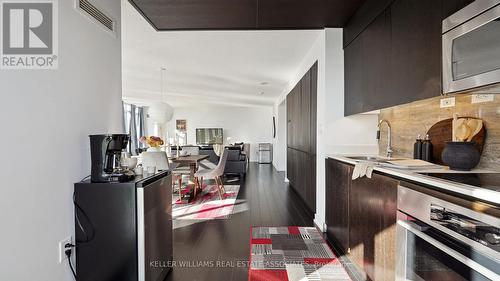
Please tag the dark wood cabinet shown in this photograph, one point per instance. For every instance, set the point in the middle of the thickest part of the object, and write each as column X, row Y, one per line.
column 377, row 55
column 355, row 89
column 415, row 51
column 372, row 227
column 361, row 218
column 290, row 163
column 452, row 6
column 301, row 134
column 367, row 67
column 362, row 18
column 395, row 57
column 337, row 202
column 293, row 116
column 305, row 114
column 302, row 175
column 314, row 106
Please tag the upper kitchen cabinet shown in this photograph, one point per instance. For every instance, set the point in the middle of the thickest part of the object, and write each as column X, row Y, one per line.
column 362, row 18
column 396, row 58
column 353, row 75
column 415, row 51
column 367, row 65
column 452, row 6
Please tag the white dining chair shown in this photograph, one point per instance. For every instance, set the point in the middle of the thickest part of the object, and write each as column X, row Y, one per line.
column 215, row 174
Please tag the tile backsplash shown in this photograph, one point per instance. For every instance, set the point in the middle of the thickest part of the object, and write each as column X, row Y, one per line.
column 413, row 119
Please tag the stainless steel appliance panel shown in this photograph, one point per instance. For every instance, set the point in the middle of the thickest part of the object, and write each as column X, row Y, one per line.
column 420, row 206
column 471, row 48
column 265, row 153
column 154, row 229
column 423, row 257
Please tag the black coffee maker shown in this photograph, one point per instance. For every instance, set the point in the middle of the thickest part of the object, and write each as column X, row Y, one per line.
column 105, row 153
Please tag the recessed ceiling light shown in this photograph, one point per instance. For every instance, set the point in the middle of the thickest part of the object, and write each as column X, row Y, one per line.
column 264, row 83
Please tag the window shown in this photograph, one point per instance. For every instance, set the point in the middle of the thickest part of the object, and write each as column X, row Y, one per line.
column 134, row 121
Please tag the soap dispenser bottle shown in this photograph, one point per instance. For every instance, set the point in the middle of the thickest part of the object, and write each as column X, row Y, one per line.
column 427, row 149
column 417, row 148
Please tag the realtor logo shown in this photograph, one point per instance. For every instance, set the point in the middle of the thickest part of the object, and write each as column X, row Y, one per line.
column 29, row 34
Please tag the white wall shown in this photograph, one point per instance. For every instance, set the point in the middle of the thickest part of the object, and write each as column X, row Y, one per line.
column 46, row 119
column 243, row 124
column 336, row 134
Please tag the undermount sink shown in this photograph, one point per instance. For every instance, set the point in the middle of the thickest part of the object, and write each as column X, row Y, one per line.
column 367, row 158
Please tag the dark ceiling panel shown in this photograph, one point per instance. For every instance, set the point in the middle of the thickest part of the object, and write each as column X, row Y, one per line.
column 306, row 13
column 340, row 11
column 199, row 14
column 291, row 14
column 246, row 14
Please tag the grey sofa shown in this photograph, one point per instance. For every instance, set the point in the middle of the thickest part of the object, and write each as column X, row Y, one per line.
column 236, row 162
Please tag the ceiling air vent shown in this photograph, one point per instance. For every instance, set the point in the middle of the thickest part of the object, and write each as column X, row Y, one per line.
column 95, row 14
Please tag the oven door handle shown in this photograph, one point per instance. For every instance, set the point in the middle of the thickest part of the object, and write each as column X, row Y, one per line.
column 413, row 228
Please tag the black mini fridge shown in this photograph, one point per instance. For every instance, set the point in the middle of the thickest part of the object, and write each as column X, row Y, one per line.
column 123, row 231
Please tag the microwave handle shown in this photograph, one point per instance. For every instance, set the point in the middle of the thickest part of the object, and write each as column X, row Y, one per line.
column 414, row 228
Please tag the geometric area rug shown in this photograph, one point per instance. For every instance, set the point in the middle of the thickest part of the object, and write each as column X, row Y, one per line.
column 207, row 205
column 292, row 253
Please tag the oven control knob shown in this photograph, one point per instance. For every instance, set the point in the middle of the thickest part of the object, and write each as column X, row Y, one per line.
column 492, row 238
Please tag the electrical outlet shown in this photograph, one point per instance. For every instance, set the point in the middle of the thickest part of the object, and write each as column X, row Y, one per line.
column 478, row 98
column 62, row 249
column 448, row 102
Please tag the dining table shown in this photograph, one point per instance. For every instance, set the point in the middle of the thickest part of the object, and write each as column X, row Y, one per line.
column 189, row 160
column 192, row 161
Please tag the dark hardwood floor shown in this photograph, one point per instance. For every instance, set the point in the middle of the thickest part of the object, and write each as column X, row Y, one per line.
column 219, row 249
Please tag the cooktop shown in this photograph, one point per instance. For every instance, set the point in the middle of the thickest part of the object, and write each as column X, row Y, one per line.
column 483, row 180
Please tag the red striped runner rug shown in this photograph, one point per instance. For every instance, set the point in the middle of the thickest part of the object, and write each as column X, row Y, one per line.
column 291, row 254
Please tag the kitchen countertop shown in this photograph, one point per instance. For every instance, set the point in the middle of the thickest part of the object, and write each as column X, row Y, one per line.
column 482, row 194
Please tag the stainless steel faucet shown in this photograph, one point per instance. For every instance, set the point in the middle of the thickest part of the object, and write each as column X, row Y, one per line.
column 389, row 136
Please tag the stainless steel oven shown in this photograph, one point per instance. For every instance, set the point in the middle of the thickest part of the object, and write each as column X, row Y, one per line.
column 446, row 238
column 471, row 47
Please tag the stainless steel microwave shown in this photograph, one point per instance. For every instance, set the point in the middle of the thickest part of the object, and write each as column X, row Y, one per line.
column 471, row 47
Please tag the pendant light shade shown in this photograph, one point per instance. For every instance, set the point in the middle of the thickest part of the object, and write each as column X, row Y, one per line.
column 161, row 112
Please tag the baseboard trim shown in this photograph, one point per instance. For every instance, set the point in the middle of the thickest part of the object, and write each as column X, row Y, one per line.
column 320, row 225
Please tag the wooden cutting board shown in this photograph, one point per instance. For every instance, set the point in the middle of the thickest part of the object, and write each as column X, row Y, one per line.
column 441, row 132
